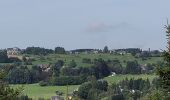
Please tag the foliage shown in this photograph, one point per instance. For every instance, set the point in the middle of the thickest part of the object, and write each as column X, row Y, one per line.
column 56, row 67
column 6, row 92
column 117, row 97
column 24, row 97
column 129, row 89
column 86, row 60
column 106, row 50
column 84, row 90
column 90, row 90
column 100, row 69
column 93, row 94
column 38, row 51
column 125, row 90
column 35, row 91
column 132, row 68
column 164, row 72
column 14, row 60
column 145, row 54
column 19, row 75
column 60, row 50
column 43, row 83
column 22, row 74
column 3, row 56
column 102, row 85
column 115, row 66
column 67, row 80
column 68, row 71
column 59, row 93
column 72, row 64
column 155, row 95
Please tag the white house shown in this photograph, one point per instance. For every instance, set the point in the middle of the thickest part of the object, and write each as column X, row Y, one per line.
column 13, row 51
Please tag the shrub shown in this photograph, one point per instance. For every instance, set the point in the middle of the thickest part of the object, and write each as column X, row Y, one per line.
column 42, row 83
column 68, row 80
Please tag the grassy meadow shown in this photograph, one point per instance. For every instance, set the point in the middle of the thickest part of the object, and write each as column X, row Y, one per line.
column 52, row 58
column 35, row 91
column 118, row 78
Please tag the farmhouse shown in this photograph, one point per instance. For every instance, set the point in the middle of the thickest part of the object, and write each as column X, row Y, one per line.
column 13, row 51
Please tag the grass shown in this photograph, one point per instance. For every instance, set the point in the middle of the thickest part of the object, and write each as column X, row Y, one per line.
column 118, row 78
column 52, row 58
column 35, row 91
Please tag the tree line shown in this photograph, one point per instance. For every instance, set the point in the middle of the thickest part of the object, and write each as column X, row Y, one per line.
column 127, row 89
column 71, row 74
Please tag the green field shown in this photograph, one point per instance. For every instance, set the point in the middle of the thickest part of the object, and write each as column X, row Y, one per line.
column 118, row 78
column 52, row 58
column 35, row 91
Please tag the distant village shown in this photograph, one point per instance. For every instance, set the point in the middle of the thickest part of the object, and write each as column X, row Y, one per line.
column 18, row 51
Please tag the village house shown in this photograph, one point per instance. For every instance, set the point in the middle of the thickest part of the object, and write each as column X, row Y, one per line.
column 13, row 51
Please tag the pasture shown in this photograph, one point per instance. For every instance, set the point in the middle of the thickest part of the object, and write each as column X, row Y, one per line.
column 118, row 78
column 52, row 58
column 35, row 91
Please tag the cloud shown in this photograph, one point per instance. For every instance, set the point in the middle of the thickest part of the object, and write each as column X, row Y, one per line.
column 98, row 27
column 103, row 27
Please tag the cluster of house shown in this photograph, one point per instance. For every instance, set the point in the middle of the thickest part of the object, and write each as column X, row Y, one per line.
column 138, row 51
column 96, row 51
column 17, row 51
column 84, row 51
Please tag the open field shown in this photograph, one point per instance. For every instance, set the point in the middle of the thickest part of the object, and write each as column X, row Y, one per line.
column 52, row 58
column 35, row 91
column 117, row 78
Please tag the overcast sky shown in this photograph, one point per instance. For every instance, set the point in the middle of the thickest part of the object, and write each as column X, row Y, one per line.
column 84, row 23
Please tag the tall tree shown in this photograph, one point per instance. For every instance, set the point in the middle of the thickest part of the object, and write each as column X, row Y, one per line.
column 60, row 50
column 106, row 50
column 164, row 72
column 3, row 56
column 132, row 67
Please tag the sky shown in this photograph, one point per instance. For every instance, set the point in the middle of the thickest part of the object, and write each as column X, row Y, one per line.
column 75, row 24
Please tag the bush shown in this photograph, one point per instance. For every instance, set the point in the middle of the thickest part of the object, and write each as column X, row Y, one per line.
column 40, row 98
column 24, row 97
column 59, row 93
column 86, row 60
column 14, row 59
column 68, row 80
column 133, row 67
column 42, row 83
column 84, row 90
column 117, row 97
column 72, row 64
